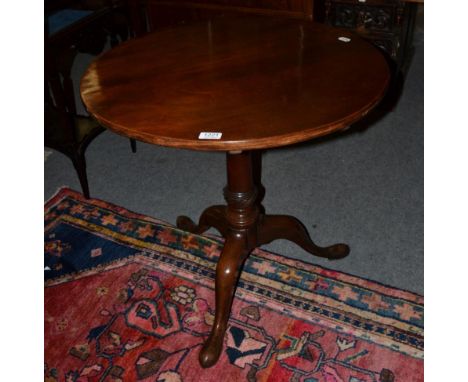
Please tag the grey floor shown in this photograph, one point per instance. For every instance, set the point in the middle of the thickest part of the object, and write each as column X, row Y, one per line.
column 363, row 188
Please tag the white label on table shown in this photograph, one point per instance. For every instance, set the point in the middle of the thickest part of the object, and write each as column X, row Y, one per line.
column 209, row 135
column 344, row 39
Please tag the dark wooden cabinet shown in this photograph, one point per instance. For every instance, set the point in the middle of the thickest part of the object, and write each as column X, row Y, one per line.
column 147, row 15
column 291, row 8
column 387, row 23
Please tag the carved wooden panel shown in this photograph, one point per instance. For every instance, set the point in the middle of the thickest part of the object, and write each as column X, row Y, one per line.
column 363, row 16
column 387, row 23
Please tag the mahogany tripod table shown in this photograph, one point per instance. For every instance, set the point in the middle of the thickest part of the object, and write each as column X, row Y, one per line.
column 237, row 85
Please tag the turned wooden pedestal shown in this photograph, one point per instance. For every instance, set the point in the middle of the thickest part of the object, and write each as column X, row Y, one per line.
column 245, row 226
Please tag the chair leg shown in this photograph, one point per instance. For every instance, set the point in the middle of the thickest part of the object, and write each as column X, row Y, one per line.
column 79, row 162
column 133, row 145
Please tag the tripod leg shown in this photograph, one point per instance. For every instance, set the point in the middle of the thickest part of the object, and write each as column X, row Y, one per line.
column 274, row 227
column 227, row 271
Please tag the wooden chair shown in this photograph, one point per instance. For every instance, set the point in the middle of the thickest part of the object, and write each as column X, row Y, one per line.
column 65, row 130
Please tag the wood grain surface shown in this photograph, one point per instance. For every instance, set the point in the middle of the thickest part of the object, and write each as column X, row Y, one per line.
column 261, row 82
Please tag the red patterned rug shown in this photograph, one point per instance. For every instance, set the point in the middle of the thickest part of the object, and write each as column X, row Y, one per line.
column 130, row 298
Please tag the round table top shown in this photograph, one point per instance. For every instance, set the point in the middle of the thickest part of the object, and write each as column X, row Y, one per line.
column 260, row 82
